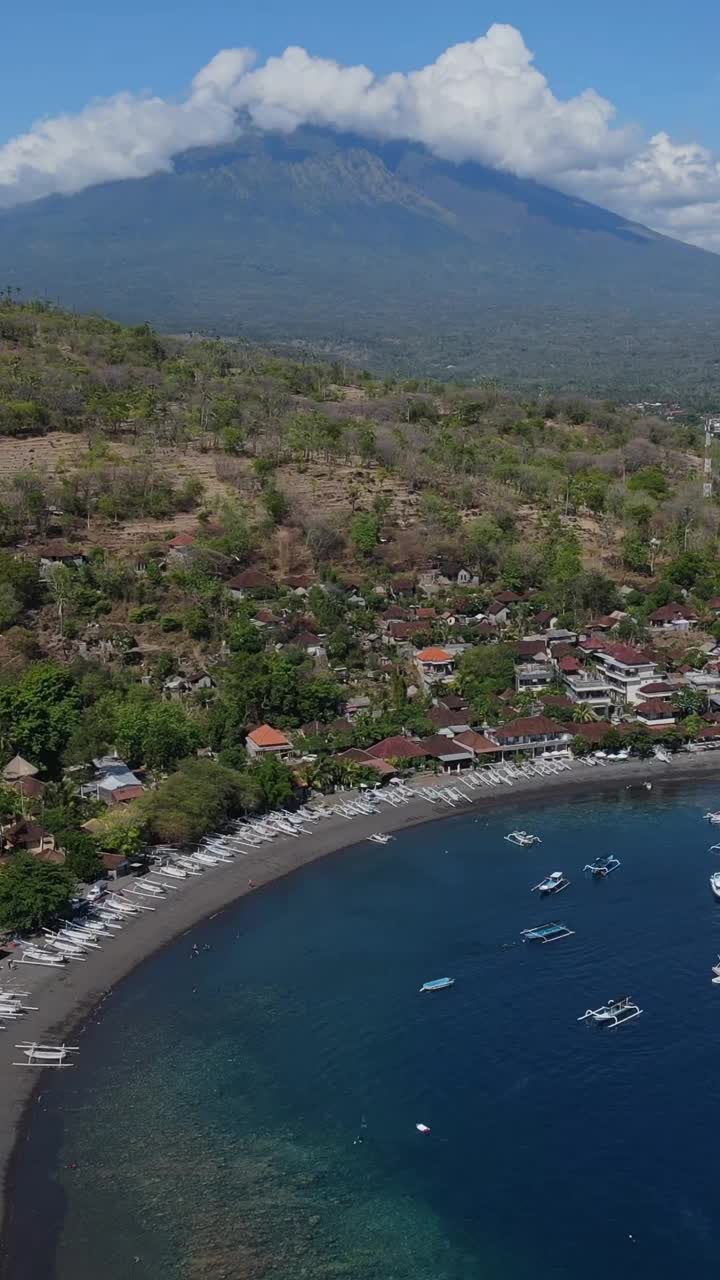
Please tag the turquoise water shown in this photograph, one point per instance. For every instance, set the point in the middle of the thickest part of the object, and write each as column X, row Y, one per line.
column 215, row 1113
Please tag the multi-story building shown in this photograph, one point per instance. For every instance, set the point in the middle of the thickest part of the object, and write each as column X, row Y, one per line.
column 626, row 670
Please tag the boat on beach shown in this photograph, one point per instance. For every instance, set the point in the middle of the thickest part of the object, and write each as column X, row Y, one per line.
column 45, row 1055
column 437, row 984
column 552, row 932
column 612, row 1014
column 524, row 839
column 554, row 883
column 602, row 867
column 379, row 837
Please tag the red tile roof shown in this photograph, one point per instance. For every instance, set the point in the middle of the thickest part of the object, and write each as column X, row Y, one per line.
column 434, row 654
column 477, row 742
column 625, row 654
column 181, row 540
column 266, row 736
column 653, row 707
column 569, row 664
column 396, row 748
column 528, row 727
column 248, row 580
column 441, row 747
column 656, row 686
column 442, row 718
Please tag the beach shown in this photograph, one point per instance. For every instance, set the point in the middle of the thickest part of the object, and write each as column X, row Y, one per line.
column 67, row 997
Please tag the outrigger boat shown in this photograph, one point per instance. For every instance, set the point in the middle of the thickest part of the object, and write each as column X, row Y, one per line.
column 554, row 883
column 437, row 984
column 715, row 883
column 523, row 838
column 552, row 932
column 379, row 838
column 45, row 1055
column 714, row 818
column 716, row 972
column 39, row 956
column 613, row 1014
column 602, row 867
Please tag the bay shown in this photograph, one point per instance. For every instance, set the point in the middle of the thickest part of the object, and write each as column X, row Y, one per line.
column 251, row 1112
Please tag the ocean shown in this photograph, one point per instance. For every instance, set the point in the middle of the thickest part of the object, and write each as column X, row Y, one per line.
column 251, row 1112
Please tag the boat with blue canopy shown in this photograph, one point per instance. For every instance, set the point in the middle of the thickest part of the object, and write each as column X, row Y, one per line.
column 551, row 932
column 437, row 984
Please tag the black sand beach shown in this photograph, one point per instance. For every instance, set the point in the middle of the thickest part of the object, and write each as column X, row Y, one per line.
column 67, row 997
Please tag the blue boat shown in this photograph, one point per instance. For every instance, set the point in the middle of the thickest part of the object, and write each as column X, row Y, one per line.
column 437, row 984
column 602, row 867
column 552, row 932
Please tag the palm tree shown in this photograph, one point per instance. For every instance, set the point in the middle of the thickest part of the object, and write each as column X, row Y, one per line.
column 583, row 714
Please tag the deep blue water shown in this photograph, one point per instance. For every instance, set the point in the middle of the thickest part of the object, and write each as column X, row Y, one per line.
column 214, row 1111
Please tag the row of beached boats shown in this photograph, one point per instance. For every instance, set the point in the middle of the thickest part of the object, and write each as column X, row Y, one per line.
column 13, row 1008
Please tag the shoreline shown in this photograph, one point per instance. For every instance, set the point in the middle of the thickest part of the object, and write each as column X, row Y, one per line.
column 67, row 997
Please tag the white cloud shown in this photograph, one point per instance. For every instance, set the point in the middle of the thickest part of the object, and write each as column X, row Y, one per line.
column 483, row 100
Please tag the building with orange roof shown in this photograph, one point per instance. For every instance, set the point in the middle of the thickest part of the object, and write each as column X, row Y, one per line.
column 435, row 664
column 265, row 741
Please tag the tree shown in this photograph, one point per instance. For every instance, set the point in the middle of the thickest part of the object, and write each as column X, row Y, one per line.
column 581, row 746
column 33, row 893
column 273, row 780
column 692, row 727
column 687, row 702
column 9, row 606
column 486, row 669
column 39, row 712
column 81, row 856
column 365, row 533
column 612, row 741
column 583, row 714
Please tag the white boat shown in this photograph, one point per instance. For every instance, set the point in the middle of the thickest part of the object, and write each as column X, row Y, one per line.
column 191, row 867
column 380, row 838
column 602, row 867
column 612, row 1014
column 437, row 984
column 554, row 883
column 45, row 1055
column 170, row 870
column 205, row 859
column 39, row 956
column 523, row 838
column 714, row 818
column 715, row 883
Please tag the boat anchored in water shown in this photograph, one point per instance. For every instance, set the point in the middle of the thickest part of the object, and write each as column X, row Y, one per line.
column 715, row 883
column 713, row 817
column 523, row 838
column 554, row 883
column 552, row 932
column 602, row 867
column 612, row 1014
column 437, row 984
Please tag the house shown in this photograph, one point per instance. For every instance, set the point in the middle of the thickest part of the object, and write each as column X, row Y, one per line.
column 706, row 681
column 265, row 618
column 29, row 836
column 181, row 542
column 477, row 743
column 447, row 750
column 403, row 586
column 448, row 722
column 587, row 688
column 267, row 741
column 498, row 613
column 626, row 670
column 673, row 617
column 532, row 734
column 465, row 578
column 545, row 619
column 250, row 580
column 657, row 689
column 357, row 704
column 59, row 553
column 397, row 748
column 311, row 643
column 18, row 770
column 713, row 606
column 114, row 865
column 532, row 650
column 355, row 755
column 508, row 597
column 533, row 675
column 119, row 788
column 655, row 711
column 435, row 664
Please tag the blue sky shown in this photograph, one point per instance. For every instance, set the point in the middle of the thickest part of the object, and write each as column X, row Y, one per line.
column 655, row 59
column 619, row 105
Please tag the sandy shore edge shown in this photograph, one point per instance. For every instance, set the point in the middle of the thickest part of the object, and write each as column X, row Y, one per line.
column 67, row 997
